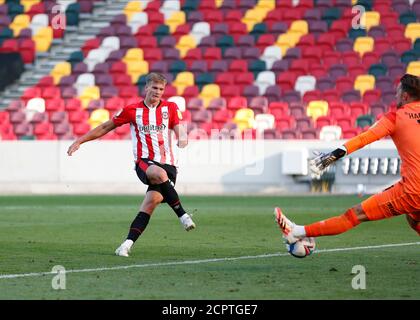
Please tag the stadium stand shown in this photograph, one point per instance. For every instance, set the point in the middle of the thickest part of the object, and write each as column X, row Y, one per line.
column 286, row 69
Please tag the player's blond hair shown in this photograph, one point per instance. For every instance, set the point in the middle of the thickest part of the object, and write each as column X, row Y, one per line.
column 156, row 77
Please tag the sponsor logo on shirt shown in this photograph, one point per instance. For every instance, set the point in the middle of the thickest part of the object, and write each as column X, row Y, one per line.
column 149, row 128
column 413, row 115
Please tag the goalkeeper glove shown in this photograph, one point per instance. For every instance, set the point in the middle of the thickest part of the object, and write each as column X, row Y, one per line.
column 323, row 160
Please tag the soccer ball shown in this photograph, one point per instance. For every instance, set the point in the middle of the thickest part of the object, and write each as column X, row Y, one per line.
column 301, row 248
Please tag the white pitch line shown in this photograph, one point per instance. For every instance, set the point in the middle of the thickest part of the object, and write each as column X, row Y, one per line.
column 174, row 263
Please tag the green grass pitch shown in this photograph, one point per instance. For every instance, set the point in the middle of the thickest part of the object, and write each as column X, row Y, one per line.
column 236, row 252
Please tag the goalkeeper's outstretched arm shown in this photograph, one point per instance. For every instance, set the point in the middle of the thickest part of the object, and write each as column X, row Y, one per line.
column 380, row 129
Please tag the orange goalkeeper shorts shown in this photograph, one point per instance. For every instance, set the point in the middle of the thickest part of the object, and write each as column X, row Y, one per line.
column 391, row 202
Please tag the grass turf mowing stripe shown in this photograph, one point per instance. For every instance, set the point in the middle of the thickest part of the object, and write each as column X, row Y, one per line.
column 163, row 264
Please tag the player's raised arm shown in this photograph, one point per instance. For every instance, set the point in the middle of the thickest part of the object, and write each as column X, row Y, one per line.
column 384, row 127
column 93, row 134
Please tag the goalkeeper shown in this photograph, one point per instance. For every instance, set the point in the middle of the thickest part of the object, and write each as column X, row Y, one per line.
column 403, row 126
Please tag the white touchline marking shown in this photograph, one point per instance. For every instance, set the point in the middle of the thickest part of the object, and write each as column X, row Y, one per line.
column 174, row 263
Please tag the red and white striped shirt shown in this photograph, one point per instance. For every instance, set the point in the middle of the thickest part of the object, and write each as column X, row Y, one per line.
column 150, row 129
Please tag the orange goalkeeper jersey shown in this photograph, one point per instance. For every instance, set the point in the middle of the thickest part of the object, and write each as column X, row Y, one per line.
column 403, row 126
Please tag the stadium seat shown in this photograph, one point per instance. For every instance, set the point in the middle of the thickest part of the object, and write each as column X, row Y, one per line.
column 364, row 82
column 370, row 19
column 414, row 68
column 316, row 109
column 183, row 80
column 208, row 92
column 265, row 79
column 259, row 104
column 133, row 55
column 186, row 43
column 409, row 56
column 286, row 41
column 177, row 18
column 217, row 104
column 98, row 117
column 377, row 109
column 304, row 84
column 299, row 27
column 371, row 96
column 364, row 121
column 378, row 70
column 96, row 56
column 200, row 30
column 330, row 133
column 136, row 69
column 20, row 21
column 131, row 8
column 84, row 80
column 412, row 31
column 88, row 94
column 43, row 39
column 244, row 119
column 263, row 122
column 236, row 103
column 363, row 44
column 273, row 93
column 137, row 20
column 322, row 121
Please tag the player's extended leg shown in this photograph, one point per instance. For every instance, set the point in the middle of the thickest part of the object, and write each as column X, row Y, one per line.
column 140, row 222
column 336, row 225
column 414, row 221
column 389, row 203
column 332, row 226
column 158, row 176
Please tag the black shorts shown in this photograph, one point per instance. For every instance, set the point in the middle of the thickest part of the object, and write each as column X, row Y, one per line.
column 142, row 166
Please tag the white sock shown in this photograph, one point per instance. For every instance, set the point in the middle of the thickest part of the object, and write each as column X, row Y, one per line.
column 128, row 243
column 299, row 231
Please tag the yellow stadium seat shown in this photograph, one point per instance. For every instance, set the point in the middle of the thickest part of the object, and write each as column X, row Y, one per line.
column 137, row 68
column 88, row 94
column 287, row 40
column 364, row 82
column 183, row 80
column 43, row 39
column 266, row 4
column 208, row 92
column 27, row 4
column 254, row 16
column 21, row 21
column 98, row 117
column 414, row 68
column 412, row 31
column 363, row 44
column 299, row 27
column 131, row 8
column 317, row 108
column 219, row 3
column 133, row 54
column 176, row 19
column 60, row 69
column 244, row 119
column 370, row 19
column 185, row 43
